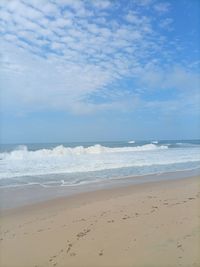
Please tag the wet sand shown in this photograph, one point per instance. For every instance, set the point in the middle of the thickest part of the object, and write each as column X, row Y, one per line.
column 150, row 224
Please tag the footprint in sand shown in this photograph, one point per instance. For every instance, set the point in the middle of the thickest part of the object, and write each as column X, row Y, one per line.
column 125, row 217
column 82, row 234
column 52, row 260
column 153, row 210
column 101, row 252
column 72, row 254
column 69, row 247
column 110, row 221
column 40, row 230
column 180, row 247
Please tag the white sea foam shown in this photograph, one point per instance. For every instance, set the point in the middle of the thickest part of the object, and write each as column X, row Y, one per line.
column 22, row 152
column 154, row 142
column 61, row 159
column 131, row 142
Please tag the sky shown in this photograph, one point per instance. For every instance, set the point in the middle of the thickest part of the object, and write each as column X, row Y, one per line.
column 93, row 70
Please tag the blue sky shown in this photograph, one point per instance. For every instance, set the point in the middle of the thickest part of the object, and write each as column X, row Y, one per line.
column 99, row 70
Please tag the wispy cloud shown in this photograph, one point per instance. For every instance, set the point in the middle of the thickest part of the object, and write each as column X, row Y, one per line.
column 162, row 7
column 59, row 54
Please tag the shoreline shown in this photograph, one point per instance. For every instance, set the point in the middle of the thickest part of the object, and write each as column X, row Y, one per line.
column 16, row 197
column 147, row 224
column 97, row 195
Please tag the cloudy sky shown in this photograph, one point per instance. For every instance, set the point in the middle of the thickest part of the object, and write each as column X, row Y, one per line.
column 99, row 70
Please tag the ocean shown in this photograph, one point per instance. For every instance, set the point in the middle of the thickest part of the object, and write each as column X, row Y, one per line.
column 71, row 164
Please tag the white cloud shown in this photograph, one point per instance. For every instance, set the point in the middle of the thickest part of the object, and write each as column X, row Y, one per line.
column 50, row 9
column 135, row 18
column 162, row 7
column 166, row 23
column 144, row 3
column 176, row 78
column 70, row 50
column 101, row 4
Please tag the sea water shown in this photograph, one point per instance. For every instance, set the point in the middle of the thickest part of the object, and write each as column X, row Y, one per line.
column 70, row 164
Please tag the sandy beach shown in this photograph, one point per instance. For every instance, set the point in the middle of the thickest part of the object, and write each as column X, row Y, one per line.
column 99, row 133
column 151, row 224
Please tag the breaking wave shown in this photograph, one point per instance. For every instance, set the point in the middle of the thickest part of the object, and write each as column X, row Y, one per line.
column 22, row 152
column 22, row 162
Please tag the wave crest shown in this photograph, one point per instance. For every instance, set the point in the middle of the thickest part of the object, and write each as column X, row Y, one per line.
column 22, row 152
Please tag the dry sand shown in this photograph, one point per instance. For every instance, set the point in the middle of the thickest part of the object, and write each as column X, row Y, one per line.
column 152, row 224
